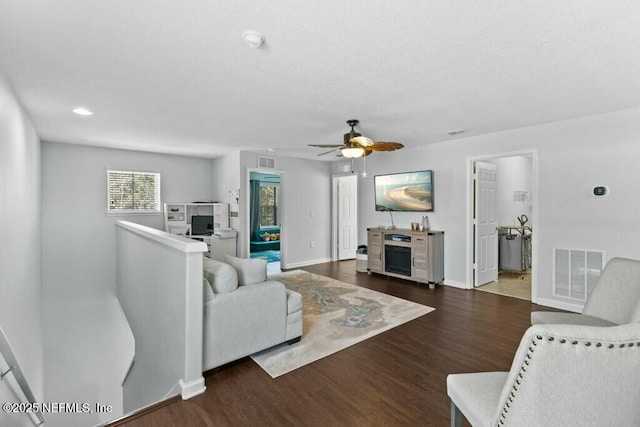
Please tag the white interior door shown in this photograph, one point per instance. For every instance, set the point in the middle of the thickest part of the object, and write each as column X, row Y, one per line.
column 486, row 223
column 347, row 216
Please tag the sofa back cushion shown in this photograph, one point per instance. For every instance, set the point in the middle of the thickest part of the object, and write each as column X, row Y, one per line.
column 249, row 270
column 221, row 276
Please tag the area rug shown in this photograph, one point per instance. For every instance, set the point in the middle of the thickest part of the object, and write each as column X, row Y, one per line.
column 336, row 315
column 270, row 256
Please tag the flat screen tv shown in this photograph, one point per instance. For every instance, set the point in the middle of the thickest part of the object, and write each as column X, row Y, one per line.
column 407, row 191
column 201, row 225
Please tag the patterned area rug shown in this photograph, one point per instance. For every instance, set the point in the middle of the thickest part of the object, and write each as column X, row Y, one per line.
column 336, row 315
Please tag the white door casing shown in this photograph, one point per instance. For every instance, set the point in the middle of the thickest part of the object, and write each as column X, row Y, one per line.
column 486, row 225
column 347, row 216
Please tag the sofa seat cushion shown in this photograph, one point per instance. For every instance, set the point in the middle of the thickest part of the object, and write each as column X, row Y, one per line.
column 250, row 270
column 221, row 276
column 477, row 395
column 294, row 301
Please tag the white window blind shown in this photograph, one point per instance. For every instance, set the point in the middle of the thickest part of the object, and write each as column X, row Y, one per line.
column 133, row 192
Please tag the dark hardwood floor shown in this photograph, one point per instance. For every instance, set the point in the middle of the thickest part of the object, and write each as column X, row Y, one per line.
column 395, row 378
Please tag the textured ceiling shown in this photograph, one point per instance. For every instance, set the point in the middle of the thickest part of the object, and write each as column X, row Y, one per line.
column 176, row 76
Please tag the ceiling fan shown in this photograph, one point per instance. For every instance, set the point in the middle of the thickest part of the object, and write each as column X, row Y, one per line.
column 356, row 145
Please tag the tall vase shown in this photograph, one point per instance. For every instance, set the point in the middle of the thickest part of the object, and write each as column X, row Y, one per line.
column 425, row 223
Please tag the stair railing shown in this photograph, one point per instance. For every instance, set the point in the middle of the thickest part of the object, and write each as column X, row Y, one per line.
column 14, row 369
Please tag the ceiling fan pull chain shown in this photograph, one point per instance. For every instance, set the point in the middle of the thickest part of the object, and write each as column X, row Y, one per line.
column 364, row 167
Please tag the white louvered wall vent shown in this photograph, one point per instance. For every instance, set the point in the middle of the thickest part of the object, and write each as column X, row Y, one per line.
column 266, row 162
column 576, row 272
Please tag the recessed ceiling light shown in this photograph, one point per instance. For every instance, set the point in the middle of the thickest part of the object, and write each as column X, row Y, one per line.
column 82, row 111
column 253, row 38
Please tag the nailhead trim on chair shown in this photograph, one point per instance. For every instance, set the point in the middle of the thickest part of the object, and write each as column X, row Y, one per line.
column 523, row 369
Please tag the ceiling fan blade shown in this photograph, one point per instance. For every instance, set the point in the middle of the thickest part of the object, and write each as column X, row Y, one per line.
column 386, row 146
column 330, row 151
column 326, row 145
column 356, row 141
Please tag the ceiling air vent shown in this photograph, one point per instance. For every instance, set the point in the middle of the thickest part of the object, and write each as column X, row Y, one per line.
column 266, row 163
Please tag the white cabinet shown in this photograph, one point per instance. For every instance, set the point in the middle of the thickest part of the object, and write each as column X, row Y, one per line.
column 179, row 218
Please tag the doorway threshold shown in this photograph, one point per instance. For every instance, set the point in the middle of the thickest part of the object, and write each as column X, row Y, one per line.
column 510, row 284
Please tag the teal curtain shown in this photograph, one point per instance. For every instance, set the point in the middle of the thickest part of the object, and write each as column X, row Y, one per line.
column 254, row 207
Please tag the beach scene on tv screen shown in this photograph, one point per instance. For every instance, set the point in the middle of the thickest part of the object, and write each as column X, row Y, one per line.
column 412, row 191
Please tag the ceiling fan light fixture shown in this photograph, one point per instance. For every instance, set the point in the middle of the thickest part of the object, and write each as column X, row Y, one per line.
column 362, row 140
column 352, row 152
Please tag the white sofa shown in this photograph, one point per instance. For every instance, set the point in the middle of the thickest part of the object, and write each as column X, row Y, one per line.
column 244, row 312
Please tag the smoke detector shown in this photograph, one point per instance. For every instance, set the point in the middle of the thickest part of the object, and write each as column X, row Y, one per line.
column 253, row 38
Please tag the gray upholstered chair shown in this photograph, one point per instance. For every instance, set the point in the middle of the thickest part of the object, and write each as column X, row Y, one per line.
column 615, row 299
column 562, row 375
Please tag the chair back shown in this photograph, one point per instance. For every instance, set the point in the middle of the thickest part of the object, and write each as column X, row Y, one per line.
column 616, row 296
column 573, row 375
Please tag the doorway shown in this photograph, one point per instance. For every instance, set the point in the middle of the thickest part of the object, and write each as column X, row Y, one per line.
column 502, row 218
column 265, row 218
column 344, row 223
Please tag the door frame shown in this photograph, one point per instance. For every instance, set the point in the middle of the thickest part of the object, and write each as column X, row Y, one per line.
column 247, row 217
column 533, row 154
column 334, row 212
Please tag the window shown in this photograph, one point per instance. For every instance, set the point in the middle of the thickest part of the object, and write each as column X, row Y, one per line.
column 268, row 206
column 133, row 192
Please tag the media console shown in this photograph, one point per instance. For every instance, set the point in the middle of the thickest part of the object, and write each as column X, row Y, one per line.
column 407, row 254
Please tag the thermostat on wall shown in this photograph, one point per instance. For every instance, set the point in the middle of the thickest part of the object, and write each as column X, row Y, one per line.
column 600, row 191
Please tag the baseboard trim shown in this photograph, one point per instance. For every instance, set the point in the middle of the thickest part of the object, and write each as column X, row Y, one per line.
column 306, row 263
column 192, row 388
column 454, row 284
column 576, row 308
column 143, row 411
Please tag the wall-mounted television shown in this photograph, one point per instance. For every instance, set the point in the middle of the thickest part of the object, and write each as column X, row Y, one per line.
column 406, row 191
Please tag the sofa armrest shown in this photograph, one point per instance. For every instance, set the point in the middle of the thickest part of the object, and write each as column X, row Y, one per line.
column 245, row 321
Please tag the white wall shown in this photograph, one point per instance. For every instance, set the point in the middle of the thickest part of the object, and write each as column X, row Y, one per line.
column 226, row 177
column 306, row 198
column 573, row 156
column 79, row 236
column 21, row 249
